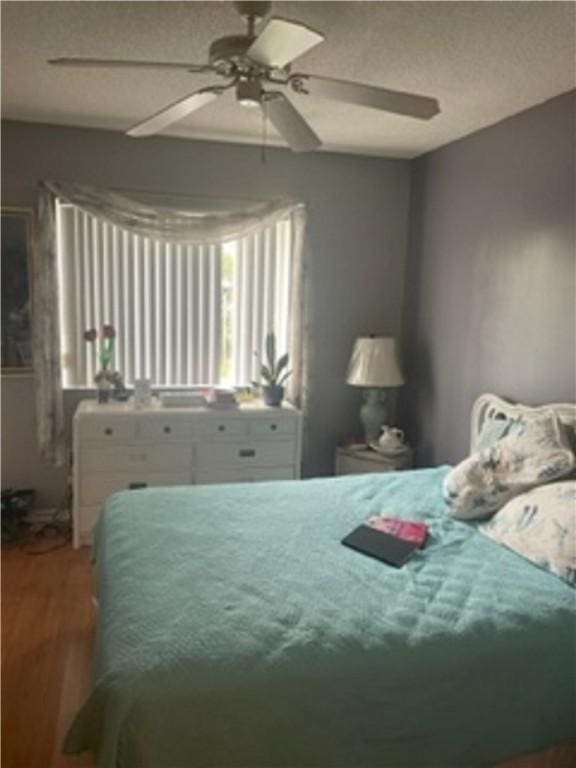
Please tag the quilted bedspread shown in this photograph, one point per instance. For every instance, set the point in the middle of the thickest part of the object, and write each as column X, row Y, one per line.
column 236, row 631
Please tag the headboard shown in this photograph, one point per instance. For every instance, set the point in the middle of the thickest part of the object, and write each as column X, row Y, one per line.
column 488, row 407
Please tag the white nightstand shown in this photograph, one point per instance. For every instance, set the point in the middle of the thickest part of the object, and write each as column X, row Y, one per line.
column 354, row 461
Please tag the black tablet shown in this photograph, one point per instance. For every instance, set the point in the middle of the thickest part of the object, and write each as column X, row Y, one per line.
column 380, row 545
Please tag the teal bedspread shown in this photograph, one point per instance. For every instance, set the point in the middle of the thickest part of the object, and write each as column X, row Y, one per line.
column 236, row 631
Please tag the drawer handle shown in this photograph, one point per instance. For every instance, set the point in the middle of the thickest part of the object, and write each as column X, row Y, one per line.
column 246, row 452
column 138, row 457
column 108, row 431
column 221, row 428
column 273, row 427
column 167, row 430
column 137, row 486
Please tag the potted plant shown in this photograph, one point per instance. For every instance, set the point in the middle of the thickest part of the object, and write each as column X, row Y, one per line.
column 273, row 373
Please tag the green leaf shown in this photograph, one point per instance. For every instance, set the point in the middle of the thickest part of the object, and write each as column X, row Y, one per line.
column 271, row 349
column 282, row 363
column 266, row 374
column 283, row 378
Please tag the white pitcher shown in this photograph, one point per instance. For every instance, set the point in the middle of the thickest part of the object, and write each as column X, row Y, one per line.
column 391, row 440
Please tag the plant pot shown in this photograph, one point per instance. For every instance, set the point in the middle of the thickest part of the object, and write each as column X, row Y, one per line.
column 273, row 395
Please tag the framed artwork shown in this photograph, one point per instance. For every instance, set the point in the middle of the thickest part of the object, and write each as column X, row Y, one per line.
column 16, row 233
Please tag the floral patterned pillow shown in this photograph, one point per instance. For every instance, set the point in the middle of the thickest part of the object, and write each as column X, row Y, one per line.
column 494, row 430
column 537, row 452
column 540, row 525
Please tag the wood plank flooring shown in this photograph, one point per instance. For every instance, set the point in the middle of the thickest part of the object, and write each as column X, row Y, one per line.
column 47, row 638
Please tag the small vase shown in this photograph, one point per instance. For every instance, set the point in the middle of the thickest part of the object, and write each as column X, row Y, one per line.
column 103, row 386
column 273, row 395
column 103, row 393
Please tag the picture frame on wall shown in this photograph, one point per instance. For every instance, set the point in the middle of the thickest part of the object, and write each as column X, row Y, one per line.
column 16, row 265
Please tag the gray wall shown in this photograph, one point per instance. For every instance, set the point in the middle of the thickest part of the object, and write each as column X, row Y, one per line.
column 358, row 211
column 490, row 288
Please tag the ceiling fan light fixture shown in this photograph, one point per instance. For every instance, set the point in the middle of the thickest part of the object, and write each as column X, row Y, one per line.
column 249, row 93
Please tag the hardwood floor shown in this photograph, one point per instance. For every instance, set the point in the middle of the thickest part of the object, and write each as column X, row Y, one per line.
column 47, row 637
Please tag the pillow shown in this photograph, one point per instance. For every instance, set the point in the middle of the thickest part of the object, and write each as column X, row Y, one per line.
column 536, row 453
column 494, row 430
column 540, row 525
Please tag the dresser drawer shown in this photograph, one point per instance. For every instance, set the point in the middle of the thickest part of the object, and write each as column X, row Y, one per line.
column 244, row 475
column 261, row 474
column 95, row 488
column 224, row 428
column 271, row 427
column 250, row 454
column 166, row 428
column 110, row 430
column 152, row 458
column 220, row 475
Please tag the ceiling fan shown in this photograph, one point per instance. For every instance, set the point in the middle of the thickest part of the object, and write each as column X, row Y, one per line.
column 256, row 66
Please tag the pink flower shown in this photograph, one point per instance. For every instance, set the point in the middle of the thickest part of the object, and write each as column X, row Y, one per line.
column 91, row 334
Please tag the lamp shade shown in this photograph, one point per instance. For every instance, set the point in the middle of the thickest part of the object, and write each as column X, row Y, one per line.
column 374, row 363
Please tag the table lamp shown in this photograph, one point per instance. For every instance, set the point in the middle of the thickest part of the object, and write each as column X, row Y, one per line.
column 374, row 366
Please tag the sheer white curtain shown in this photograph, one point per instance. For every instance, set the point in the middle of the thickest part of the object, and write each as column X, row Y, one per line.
column 170, row 225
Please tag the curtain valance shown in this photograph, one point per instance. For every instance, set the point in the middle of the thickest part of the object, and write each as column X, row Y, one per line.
column 169, row 223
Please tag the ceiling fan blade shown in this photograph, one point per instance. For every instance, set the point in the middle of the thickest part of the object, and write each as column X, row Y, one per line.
column 280, row 42
column 289, row 123
column 176, row 111
column 400, row 102
column 119, row 63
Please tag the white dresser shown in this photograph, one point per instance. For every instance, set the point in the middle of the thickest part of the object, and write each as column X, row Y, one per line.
column 118, row 447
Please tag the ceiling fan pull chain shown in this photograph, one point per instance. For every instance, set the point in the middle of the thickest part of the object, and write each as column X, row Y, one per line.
column 263, row 156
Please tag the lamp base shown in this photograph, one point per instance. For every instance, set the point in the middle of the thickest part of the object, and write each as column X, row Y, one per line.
column 373, row 414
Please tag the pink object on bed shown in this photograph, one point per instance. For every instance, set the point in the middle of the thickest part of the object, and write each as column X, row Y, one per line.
column 408, row 530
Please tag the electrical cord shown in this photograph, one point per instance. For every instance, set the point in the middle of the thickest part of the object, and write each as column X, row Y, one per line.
column 39, row 538
column 53, row 534
column 49, row 535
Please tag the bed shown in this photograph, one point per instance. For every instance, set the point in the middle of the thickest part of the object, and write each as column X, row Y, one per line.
column 235, row 631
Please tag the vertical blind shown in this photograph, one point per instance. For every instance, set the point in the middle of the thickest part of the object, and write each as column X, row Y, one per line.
column 184, row 314
column 260, row 297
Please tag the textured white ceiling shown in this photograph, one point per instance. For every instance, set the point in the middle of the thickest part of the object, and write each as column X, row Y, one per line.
column 484, row 61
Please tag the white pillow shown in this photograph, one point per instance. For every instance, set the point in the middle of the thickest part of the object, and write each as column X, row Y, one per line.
column 540, row 525
column 536, row 453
